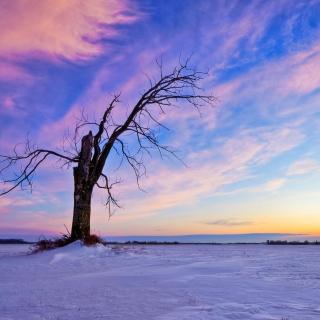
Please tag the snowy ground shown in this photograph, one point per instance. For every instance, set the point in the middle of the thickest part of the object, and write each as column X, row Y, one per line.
column 161, row 282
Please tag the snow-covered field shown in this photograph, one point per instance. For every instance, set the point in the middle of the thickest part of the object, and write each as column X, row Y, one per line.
column 161, row 282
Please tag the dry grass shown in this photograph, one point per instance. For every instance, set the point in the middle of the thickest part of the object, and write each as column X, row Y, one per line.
column 49, row 244
column 92, row 240
column 65, row 239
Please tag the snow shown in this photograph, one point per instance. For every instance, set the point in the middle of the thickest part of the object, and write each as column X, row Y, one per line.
column 182, row 282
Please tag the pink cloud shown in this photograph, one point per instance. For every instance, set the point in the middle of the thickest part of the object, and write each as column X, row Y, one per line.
column 31, row 220
column 295, row 74
column 69, row 29
column 10, row 72
column 273, row 185
column 303, row 166
column 8, row 103
column 249, row 26
column 304, row 77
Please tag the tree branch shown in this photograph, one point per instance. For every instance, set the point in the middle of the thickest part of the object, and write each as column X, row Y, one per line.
column 178, row 86
column 30, row 160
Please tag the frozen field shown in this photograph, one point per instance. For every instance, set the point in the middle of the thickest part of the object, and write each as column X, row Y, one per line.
column 161, row 282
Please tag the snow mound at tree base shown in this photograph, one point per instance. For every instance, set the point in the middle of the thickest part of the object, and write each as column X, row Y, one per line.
column 77, row 251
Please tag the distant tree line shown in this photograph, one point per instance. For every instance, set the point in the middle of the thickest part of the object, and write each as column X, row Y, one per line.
column 285, row 242
column 14, row 241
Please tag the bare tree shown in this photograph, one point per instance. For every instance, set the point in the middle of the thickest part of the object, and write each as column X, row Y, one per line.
column 181, row 85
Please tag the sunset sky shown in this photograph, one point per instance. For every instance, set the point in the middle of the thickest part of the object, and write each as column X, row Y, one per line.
column 253, row 161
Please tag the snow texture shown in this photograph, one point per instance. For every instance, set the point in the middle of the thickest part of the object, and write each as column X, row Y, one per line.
column 175, row 282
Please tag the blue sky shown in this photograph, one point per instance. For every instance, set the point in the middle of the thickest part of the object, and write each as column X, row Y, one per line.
column 252, row 160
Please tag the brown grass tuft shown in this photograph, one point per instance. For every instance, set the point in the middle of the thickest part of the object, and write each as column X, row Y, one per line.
column 49, row 244
column 92, row 240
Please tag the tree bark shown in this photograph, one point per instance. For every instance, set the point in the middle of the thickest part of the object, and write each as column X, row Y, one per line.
column 81, row 207
column 83, row 187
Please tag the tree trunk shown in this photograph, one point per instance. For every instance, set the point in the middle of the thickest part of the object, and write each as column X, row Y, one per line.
column 81, row 208
column 82, row 191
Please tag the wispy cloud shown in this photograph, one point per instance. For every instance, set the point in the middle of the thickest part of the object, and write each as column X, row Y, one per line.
column 228, row 223
column 273, row 185
column 303, row 166
column 293, row 75
column 208, row 173
column 10, row 72
column 59, row 29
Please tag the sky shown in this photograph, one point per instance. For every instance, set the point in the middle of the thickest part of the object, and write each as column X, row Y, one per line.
column 252, row 161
